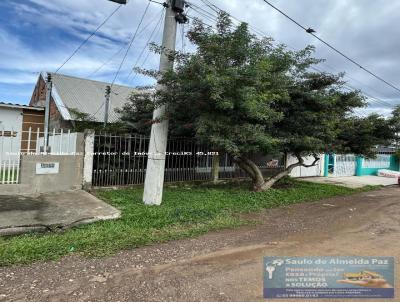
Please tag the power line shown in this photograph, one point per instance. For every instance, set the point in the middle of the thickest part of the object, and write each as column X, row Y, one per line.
column 350, row 87
column 148, row 53
column 130, row 44
column 353, row 79
column 261, row 33
column 88, row 38
column 201, row 21
column 202, row 12
column 332, row 47
column 126, row 54
column 216, row 9
column 101, row 106
column 111, row 58
column 157, row 26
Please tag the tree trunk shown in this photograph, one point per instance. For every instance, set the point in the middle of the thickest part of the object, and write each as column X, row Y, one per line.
column 252, row 170
column 259, row 183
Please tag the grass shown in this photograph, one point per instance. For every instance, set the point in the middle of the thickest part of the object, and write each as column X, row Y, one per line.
column 187, row 211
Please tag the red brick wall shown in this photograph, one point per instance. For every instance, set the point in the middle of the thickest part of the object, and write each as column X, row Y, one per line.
column 39, row 94
column 35, row 120
column 39, row 99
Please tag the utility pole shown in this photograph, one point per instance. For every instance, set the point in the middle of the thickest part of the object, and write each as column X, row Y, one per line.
column 107, row 105
column 154, row 181
column 49, row 86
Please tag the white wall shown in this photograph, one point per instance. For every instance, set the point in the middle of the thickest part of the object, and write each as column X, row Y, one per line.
column 317, row 170
column 10, row 120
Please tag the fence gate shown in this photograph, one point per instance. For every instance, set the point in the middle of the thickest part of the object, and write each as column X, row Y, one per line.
column 344, row 165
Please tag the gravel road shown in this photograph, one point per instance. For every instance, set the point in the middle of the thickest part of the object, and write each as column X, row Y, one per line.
column 221, row 266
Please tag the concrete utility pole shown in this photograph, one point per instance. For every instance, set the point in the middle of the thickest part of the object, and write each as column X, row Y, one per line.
column 154, row 181
column 107, row 105
column 49, row 86
column 215, row 169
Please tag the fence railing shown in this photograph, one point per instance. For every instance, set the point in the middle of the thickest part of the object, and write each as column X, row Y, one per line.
column 14, row 143
column 381, row 161
column 60, row 142
column 121, row 160
column 9, row 156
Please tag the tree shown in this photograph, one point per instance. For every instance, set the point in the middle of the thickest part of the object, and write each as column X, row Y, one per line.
column 359, row 135
column 83, row 121
column 395, row 123
column 244, row 97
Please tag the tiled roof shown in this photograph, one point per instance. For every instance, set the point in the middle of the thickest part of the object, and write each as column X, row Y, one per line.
column 19, row 106
column 88, row 96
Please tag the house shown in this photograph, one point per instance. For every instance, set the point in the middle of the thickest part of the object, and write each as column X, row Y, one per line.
column 72, row 94
column 15, row 122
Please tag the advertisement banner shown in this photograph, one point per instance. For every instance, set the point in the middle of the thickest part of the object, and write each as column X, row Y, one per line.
column 328, row 277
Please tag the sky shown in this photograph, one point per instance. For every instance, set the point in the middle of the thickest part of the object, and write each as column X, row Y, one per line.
column 39, row 35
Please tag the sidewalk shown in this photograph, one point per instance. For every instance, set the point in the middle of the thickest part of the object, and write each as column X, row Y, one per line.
column 27, row 213
column 354, row 181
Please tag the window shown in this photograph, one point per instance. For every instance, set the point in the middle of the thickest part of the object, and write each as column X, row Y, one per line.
column 8, row 133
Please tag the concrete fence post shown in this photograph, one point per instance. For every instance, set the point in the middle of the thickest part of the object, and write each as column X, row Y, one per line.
column 326, row 165
column 88, row 159
column 359, row 165
column 215, row 169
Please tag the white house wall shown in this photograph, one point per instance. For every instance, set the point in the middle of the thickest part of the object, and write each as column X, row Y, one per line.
column 10, row 120
column 317, row 170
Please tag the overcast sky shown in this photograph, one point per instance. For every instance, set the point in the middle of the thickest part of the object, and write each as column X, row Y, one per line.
column 38, row 35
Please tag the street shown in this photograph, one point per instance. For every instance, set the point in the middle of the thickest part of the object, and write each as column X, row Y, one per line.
column 221, row 266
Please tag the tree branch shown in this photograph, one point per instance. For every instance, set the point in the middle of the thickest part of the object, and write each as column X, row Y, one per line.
column 316, row 160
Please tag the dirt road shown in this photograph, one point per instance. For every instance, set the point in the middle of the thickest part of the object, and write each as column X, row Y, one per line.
column 223, row 266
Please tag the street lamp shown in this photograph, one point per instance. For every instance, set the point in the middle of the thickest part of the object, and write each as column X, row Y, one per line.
column 120, row 1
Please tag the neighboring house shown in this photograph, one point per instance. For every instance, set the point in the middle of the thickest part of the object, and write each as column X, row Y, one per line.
column 386, row 149
column 15, row 122
column 340, row 165
column 71, row 94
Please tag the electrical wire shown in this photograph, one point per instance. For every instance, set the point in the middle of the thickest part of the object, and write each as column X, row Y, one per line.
column 352, row 88
column 130, row 44
column 111, row 58
column 87, row 39
column 147, row 56
column 333, row 48
column 147, row 42
column 261, row 33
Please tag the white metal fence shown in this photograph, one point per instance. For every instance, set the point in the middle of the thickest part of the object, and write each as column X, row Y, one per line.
column 14, row 143
column 382, row 161
column 10, row 142
column 344, row 165
column 61, row 142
